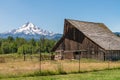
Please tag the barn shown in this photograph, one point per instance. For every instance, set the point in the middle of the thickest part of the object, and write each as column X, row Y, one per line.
column 83, row 39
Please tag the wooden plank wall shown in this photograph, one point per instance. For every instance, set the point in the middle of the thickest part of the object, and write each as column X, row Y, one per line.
column 76, row 40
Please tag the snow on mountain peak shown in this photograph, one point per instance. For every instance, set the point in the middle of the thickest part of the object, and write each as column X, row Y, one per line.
column 31, row 29
column 28, row 25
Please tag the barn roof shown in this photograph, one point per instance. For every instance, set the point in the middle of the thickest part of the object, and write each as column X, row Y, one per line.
column 98, row 33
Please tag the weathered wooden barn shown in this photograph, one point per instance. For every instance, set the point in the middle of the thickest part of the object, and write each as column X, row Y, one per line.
column 87, row 40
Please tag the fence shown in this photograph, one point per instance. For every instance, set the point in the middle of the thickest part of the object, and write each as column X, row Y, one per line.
column 29, row 63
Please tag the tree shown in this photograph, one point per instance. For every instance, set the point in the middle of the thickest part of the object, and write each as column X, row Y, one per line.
column 33, row 42
column 13, row 47
column 0, row 51
column 5, row 48
column 20, row 45
column 10, row 39
column 20, row 41
column 0, row 42
column 26, row 48
column 49, row 45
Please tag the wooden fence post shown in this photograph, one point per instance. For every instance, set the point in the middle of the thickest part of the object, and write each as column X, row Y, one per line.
column 40, row 61
column 79, row 60
column 24, row 56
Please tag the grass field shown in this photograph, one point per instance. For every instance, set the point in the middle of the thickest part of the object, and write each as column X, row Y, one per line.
column 68, row 66
column 99, row 75
column 15, row 66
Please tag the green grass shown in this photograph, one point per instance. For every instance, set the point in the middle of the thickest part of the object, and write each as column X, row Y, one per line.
column 99, row 75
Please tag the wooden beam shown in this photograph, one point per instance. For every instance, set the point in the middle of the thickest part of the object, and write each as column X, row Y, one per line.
column 68, row 51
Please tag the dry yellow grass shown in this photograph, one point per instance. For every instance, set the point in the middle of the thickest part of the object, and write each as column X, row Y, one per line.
column 23, row 67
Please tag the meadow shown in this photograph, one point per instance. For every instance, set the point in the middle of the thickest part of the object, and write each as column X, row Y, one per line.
column 99, row 75
column 14, row 67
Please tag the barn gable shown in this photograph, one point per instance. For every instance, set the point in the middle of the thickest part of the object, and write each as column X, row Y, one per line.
column 95, row 38
column 98, row 33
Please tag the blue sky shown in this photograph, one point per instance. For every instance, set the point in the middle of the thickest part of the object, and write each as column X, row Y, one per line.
column 50, row 14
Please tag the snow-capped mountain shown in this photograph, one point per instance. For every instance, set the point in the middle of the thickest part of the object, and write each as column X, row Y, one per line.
column 28, row 31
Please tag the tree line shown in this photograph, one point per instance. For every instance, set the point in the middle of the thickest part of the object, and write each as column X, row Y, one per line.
column 21, row 45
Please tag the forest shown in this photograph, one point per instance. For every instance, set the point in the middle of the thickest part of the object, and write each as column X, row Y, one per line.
column 22, row 46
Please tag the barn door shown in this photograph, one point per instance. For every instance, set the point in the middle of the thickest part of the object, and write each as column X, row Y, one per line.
column 77, row 55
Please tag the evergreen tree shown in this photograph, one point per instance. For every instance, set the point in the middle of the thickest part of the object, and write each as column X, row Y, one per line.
column 5, row 48
column 10, row 39
column 21, row 46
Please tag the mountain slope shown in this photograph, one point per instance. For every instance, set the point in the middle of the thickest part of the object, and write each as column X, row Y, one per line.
column 29, row 31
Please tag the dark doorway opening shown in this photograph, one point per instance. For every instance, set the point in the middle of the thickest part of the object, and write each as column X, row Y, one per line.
column 77, row 55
